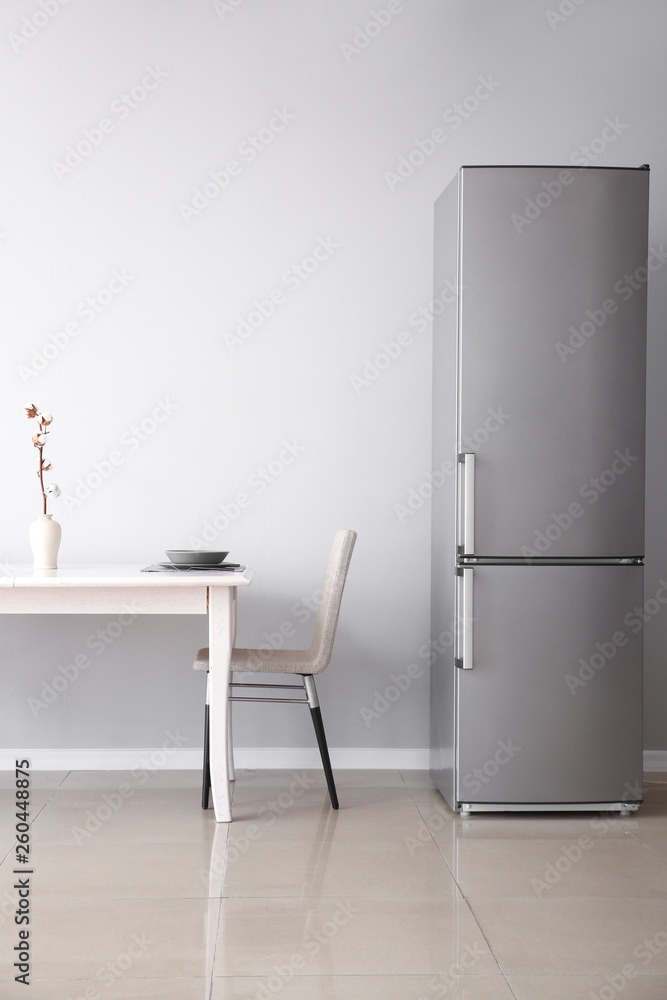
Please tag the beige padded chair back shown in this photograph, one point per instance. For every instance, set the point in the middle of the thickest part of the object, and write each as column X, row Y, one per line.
column 326, row 623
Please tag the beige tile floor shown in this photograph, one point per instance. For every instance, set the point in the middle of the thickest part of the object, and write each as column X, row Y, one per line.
column 137, row 893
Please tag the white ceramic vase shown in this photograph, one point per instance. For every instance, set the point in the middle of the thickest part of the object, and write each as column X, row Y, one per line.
column 44, row 536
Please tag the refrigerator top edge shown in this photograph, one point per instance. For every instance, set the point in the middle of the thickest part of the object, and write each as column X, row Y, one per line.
column 545, row 166
column 471, row 562
column 458, row 176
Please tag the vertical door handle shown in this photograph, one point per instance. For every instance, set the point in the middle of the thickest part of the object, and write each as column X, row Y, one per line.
column 464, row 625
column 467, row 505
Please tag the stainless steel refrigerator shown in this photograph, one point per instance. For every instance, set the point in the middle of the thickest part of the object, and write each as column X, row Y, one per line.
column 538, row 487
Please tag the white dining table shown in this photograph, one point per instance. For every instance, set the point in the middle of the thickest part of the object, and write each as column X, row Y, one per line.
column 115, row 589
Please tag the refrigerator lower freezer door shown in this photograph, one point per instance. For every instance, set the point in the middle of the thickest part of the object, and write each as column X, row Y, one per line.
column 552, row 710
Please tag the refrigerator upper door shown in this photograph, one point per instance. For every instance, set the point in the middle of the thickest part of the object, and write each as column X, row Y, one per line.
column 550, row 709
column 552, row 358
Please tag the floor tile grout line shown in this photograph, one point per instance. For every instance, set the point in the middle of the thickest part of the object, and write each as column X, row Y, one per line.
column 463, row 897
column 215, row 946
column 488, row 943
column 465, row 900
column 651, row 851
column 41, row 809
column 304, row 976
column 509, row 986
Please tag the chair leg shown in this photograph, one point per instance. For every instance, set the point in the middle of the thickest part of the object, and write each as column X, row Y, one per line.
column 206, row 777
column 230, row 743
column 316, row 716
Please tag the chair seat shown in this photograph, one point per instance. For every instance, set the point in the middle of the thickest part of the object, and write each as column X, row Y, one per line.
column 265, row 661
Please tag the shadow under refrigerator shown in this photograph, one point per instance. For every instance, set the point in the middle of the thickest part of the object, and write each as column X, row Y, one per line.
column 538, row 487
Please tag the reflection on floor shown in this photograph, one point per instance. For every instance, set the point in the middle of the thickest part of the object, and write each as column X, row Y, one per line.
column 137, row 893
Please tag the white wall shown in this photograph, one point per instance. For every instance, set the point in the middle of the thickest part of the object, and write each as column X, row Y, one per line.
column 345, row 91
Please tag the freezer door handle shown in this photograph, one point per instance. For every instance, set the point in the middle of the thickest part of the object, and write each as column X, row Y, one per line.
column 467, row 505
column 465, row 619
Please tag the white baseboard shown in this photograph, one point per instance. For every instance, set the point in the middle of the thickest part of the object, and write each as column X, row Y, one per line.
column 173, row 759
column 179, row 758
column 352, row 758
column 262, row 758
column 655, row 760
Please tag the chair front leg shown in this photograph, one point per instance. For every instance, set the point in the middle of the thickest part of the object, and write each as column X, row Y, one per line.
column 316, row 716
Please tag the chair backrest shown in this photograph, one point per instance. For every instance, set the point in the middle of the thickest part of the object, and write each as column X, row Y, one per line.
column 332, row 592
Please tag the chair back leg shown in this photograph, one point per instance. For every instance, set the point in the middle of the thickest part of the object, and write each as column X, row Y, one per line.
column 206, row 777
column 230, row 744
column 316, row 716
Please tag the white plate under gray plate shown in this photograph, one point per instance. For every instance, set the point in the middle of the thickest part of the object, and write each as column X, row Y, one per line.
column 201, row 566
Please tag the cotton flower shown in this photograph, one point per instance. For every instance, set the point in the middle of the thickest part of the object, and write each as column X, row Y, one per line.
column 39, row 440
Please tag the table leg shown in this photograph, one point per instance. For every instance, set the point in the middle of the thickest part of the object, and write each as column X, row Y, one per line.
column 221, row 607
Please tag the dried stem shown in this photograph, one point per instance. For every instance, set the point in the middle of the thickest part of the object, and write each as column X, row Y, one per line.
column 41, row 478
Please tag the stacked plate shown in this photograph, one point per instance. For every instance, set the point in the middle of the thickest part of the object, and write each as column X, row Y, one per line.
column 197, row 559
